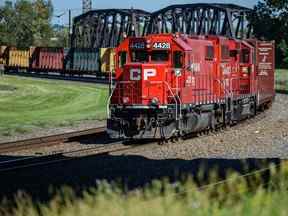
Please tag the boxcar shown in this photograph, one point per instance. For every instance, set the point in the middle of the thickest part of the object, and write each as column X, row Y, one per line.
column 18, row 59
column 47, row 59
column 82, row 61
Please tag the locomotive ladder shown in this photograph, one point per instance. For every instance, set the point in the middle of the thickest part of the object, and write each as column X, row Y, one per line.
column 176, row 98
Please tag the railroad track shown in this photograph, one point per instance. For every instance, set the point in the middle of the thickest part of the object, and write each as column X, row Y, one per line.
column 48, row 140
column 53, row 76
column 117, row 147
column 59, row 155
column 38, row 161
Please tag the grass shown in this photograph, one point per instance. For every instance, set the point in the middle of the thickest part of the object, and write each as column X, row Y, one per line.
column 233, row 197
column 27, row 104
column 281, row 79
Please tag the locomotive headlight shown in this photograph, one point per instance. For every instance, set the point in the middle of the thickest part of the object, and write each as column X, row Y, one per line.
column 155, row 101
column 245, row 70
column 148, row 45
column 125, row 100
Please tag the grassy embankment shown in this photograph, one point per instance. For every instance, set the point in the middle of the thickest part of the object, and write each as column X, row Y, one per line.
column 233, row 197
column 281, row 79
column 27, row 104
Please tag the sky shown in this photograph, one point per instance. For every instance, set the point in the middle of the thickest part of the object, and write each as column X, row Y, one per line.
column 148, row 5
column 61, row 6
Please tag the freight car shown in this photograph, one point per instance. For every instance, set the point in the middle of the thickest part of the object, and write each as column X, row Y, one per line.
column 71, row 62
column 2, row 59
column 46, row 59
column 82, row 61
column 17, row 59
column 172, row 84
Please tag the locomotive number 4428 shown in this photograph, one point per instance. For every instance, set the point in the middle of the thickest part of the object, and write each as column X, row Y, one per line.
column 160, row 45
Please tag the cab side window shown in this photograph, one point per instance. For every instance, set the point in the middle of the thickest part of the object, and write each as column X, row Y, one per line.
column 245, row 56
column 209, row 53
column 122, row 59
column 178, row 59
column 225, row 52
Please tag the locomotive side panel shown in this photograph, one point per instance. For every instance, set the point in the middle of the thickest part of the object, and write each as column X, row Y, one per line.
column 200, row 76
column 265, row 70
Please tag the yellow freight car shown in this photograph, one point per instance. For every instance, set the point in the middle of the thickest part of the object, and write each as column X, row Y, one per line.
column 19, row 58
column 2, row 55
column 2, row 50
column 107, row 59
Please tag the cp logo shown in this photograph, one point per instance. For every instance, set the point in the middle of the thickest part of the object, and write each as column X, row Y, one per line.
column 135, row 74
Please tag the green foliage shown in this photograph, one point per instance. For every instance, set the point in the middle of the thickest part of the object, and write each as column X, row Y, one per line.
column 27, row 104
column 284, row 48
column 61, row 35
column 7, row 25
column 271, row 23
column 26, row 23
column 235, row 196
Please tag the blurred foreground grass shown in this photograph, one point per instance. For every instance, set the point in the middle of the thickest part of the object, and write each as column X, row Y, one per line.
column 236, row 196
column 28, row 104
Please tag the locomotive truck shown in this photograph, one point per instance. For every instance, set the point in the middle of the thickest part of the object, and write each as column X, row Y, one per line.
column 174, row 84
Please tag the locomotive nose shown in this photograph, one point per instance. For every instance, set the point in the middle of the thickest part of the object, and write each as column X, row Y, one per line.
column 143, row 84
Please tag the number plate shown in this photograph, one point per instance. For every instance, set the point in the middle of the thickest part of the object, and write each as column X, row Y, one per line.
column 137, row 45
column 160, row 45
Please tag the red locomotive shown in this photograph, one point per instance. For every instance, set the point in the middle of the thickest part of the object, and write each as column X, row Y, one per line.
column 172, row 84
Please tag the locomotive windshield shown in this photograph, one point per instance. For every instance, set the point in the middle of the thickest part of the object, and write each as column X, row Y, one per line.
column 140, row 56
column 145, row 56
column 160, row 55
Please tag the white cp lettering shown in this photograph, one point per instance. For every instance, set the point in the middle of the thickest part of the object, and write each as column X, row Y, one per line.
column 149, row 73
column 135, row 74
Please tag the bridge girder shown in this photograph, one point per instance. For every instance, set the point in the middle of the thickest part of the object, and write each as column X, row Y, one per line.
column 202, row 19
column 108, row 27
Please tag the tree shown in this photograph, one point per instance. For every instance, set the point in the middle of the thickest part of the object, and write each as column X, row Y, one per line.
column 23, row 23
column 26, row 23
column 270, row 22
column 42, row 22
column 7, row 25
column 61, row 36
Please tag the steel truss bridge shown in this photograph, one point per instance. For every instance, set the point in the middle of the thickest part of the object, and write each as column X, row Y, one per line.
column 107, row 28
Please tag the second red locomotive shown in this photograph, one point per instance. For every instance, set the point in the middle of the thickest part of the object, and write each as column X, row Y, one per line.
column 172, row 84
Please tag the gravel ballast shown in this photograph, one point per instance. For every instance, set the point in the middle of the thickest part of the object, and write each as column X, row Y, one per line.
column 263, row 138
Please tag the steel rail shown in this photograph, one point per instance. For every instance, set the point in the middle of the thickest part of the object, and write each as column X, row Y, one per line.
column 47, row 140
column 28, row 162
column 54, row 76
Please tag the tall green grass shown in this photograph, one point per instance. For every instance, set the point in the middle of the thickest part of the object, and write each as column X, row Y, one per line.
column 27, row 104
column 235, row 196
